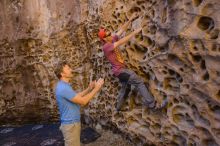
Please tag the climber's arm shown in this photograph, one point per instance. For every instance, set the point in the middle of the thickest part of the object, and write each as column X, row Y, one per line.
column 126, row 38
column 125, row 26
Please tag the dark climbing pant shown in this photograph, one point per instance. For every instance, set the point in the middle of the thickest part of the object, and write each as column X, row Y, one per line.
column 127, row 78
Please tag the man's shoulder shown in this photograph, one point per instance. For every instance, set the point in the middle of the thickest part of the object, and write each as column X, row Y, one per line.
column 62, row 89
column 107, row 46
column 61, row 85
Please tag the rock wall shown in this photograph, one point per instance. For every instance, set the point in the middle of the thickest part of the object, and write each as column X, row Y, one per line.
column 177, row 54
column 35, row 35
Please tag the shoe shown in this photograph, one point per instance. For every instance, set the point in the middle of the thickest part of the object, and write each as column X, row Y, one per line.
column 121, row 101
column 120, row 110
column 149, row 105
column 162, row 105
column 152, row 105
column 118, row 106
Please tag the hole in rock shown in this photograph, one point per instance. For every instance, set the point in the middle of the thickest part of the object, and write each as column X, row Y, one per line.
column 216, row 109
column 216, row 131
column 197, row 2
column 135, row 9
column 179, row 78
column 203, row 66
column 187, row 86
column 164, row 72
column 176, row 101
column 17, row 19
column 164, row 15
column 205, row 23
column 171, row 2
column 214, row 47
column 143, row 7
column 114, row 16
column 162, row 49
column 196, row 58
column 118, row 15
column 206, row 76
column 179, row 139
column 140, row 2
column 119, row 21
column 173, row 58
column 172, row 143
column 152, row 13
column 153, row 29
column 189, row 120
column 203, row 120
column 140, row 48
column 139, row 37
column 181, row 69
column 218, row 94
column 209, row 142
column 147, row 40
column 178, row 118
column 214, row 34
column 144, row 57
column 147, row 76
column 171, row 72
column 195, row 48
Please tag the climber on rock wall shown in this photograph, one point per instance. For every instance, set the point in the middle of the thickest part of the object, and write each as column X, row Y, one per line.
column 127, row 77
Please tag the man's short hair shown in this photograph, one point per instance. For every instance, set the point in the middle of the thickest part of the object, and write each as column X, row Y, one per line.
column 59, row 68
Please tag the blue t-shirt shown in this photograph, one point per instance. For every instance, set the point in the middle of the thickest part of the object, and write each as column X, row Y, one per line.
column 69, row 111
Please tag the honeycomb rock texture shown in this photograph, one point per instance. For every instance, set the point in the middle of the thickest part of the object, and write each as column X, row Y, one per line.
column 177, row 54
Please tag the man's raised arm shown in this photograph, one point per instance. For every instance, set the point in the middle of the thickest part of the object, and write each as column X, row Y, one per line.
column 84, row 99
column 126, row 38
column 125, row 26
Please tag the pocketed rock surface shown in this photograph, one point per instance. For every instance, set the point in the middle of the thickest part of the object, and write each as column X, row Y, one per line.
column 177, row 54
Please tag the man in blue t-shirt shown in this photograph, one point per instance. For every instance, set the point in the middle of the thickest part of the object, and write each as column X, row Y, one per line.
column 69, row 103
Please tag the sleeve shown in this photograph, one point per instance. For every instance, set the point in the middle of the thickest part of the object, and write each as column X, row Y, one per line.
column 108, row 47
column 115, row 38
column 68, row 93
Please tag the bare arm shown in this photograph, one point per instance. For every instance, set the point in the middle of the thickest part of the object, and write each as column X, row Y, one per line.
column 83, row 100
column 126, row 38
column 125, row 26
column 89, row 88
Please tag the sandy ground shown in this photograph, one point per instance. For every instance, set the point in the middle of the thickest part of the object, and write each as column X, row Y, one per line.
column 108, row 138
column 50, row 135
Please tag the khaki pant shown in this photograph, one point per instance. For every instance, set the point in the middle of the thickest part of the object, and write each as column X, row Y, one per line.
column 71, row 134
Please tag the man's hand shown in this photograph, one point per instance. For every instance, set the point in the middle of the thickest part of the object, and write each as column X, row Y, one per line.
column 92, row 85
column 133, row 16
column 124, row 26
column 138, row 30
column 99, row 84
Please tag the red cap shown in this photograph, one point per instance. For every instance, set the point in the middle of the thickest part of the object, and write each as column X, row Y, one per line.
column 102, row 33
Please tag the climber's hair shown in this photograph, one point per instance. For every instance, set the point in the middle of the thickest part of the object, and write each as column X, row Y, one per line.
column 59, row 68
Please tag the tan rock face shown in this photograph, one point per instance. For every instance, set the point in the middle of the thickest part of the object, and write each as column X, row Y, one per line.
column 177, row 54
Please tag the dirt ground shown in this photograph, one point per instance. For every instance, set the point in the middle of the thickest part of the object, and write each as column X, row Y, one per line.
column 108, row 138
column 50, row 135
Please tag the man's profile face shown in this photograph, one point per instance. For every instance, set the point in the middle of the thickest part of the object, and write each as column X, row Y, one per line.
column 108, row 33
column 67, row 71
column 108, row 36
